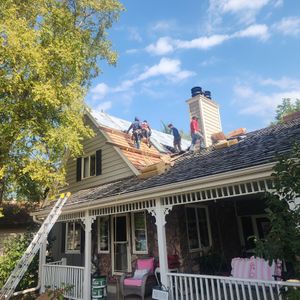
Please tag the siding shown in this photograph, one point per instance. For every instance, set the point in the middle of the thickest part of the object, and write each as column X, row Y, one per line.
column 113, row 165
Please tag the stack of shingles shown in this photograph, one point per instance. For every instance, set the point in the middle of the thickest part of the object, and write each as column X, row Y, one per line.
column 220, row 140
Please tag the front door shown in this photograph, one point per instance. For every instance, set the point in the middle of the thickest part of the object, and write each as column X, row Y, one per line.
column 120, row 244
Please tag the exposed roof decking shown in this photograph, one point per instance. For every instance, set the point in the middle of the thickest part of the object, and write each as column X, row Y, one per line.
column 157, row 137
column 140, row 158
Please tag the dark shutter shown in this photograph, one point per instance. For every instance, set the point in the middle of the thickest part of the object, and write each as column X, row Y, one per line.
column 63, row 237
column 98, row 162
column 78, row 168
column 82, row 240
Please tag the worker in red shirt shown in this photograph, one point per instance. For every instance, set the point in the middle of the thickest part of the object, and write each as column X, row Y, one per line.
column 195, row 134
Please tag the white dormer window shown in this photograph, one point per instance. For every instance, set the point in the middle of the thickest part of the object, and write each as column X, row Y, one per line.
column 89, row 166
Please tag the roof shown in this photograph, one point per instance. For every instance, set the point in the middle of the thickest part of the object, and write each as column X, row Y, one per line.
column 140, row 158
column 158, row 138
column 258, row 148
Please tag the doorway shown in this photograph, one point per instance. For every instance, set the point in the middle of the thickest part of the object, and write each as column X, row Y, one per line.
column 121, row 260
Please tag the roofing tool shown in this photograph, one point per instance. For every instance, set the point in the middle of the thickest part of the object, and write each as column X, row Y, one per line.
column 35, row 245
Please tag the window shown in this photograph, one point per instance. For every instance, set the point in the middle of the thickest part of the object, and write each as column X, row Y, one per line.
column 103, row 234
column 73, row 237
column 254, row 225
column 139, row 233
column 89, row 166
column 198, row 228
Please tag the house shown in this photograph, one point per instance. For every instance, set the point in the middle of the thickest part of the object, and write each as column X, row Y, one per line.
column 128, row 203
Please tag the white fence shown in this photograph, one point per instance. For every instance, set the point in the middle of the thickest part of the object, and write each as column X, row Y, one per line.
column 68, row 278
column 207, row 287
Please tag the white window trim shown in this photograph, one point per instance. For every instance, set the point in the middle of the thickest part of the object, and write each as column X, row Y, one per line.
column 67, row 251
column 98, row 235
column 133, row 234
column 254, row 225
column 113, row 244
column 82, row 165
column 198, row 230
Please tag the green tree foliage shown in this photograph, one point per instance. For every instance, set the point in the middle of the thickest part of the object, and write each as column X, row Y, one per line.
column 13, row 250
column 283, row 239
column 288, row 106
column 49, row 52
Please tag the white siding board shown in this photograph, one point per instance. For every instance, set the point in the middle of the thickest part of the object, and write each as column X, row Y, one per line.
column 113, row 165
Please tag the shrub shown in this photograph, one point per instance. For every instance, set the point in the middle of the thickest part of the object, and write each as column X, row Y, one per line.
column 13, row 250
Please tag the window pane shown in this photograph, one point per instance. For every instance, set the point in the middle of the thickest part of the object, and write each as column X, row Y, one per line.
column 203, row 227
column 85, row 167
column 247, row 232
column 263, row 226
column 192, row 228
column 104, row 234
column 73, row 236
column 93, row 165
column 140, row 231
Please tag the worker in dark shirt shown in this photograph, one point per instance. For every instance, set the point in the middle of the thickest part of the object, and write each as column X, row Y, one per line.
column 177, row 138
column 136, row 132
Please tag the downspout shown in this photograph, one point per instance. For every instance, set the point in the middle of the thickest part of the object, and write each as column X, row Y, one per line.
column 35, row 220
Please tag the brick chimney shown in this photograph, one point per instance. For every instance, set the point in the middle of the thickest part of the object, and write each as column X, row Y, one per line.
column 207, row 110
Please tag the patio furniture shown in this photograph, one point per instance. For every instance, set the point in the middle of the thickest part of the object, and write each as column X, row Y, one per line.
column 141, row 281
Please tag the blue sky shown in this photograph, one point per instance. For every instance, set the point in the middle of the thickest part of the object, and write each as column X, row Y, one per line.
column 246, row 52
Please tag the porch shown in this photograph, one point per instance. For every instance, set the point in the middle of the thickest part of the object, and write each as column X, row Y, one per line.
column 181, row 286
column 190, row 282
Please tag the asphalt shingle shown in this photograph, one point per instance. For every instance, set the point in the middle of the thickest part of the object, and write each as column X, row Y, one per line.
column 259, row 147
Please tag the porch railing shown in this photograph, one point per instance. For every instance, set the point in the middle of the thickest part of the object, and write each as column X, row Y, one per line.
column 67, row 278
column 207, row 287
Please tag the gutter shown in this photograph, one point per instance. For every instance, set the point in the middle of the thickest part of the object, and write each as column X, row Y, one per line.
column 231, row 177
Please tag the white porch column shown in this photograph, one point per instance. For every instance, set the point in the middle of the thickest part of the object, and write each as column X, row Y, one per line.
column 160, row 213
column 88, row 221
column 42, row 262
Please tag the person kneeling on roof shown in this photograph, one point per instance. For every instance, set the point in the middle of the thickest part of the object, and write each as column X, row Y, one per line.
column 146, row 132
column 177, row 138
column 136, row 132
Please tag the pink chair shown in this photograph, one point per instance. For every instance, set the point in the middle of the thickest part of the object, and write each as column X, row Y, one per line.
column 141, row 281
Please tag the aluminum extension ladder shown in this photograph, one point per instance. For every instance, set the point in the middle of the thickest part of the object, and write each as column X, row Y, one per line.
column 39, row 238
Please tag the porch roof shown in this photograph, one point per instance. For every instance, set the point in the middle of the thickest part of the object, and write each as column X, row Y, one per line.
column 258, row 148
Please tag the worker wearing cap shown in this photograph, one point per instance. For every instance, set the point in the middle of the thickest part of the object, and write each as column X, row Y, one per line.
column 195, row 133
column 177, row 138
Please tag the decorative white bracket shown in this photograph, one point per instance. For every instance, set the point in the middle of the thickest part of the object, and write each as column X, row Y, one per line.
column 160, row 213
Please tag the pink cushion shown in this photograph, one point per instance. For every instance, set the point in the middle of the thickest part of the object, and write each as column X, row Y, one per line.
column 133, row 282
column 240, row 267
column 147, row 263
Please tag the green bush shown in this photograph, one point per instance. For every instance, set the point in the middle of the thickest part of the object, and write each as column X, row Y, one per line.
column 13, row 250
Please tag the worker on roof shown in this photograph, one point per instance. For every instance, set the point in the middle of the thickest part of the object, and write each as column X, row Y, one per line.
column 196, row 134
column 177, row 138
column 146, row 132
column 136, row 132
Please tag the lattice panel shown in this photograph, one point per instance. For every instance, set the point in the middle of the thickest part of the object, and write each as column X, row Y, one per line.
column 122, row 208
column 220, row 192
column 71, row 217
